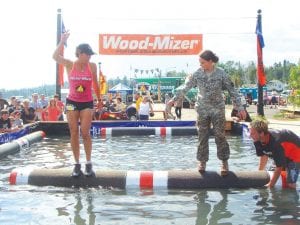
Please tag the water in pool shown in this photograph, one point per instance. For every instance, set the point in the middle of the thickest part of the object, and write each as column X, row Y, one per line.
column 25, row 204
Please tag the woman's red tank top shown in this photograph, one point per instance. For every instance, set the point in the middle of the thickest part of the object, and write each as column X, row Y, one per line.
column 80, row 83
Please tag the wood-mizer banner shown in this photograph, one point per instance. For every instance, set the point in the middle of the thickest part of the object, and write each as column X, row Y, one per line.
column 149, row 44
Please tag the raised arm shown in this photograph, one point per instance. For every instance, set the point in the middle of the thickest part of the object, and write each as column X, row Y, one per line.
column 58, row 53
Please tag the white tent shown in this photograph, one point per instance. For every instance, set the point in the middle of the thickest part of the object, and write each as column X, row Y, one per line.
column 120, row 88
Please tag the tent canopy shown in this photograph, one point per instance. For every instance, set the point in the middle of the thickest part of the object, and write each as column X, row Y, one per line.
column 190, row 95
column 120, row 88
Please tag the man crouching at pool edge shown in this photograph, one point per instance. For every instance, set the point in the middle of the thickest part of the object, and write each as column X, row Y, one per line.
column 283, row 146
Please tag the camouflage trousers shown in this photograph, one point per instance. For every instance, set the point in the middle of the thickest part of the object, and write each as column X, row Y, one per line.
column 216, row 118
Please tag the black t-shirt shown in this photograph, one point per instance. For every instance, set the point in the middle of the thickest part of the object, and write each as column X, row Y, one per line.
column 27, row 117
column 5, row 124
column 283, row 146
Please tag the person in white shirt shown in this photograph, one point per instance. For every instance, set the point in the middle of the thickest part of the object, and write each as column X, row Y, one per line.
column 36, row 105
column 145, row 108
column 120, row 106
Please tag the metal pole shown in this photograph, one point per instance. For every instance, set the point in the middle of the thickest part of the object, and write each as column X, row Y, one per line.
column 58, row 37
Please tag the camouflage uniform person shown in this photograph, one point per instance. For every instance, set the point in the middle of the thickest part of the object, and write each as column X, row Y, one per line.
column 211, row 81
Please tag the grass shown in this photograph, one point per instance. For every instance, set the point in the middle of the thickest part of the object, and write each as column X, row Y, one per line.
column 287, row 116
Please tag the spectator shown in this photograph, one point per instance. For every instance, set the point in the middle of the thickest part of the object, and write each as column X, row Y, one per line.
column 19, row 105
column 99, row 108
column 5, row 122
column 167, row 98
column 274, row 100
column 168, row 109
column 178, row 107
column 12, row 104
column 265, row 98
column 111, row 105
column 249, row 98
column 61, row 105
column 138, row 100
column 145, row 108
column 236, row 116
column 43, row 101
column 244, row 101
column 120, row 106
column 17, row 121
column 52, row 112
column 3, row 103
column 28, row 113
column 36, row 105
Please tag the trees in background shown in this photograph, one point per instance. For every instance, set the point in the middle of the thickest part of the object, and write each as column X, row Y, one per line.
column 241, row 75
column 294, row 83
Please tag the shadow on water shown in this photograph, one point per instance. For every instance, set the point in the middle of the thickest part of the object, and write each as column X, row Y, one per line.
column 277, row 206
column 209, row 207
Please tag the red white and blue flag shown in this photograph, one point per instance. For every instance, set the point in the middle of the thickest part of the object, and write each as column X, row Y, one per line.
column 261, row 76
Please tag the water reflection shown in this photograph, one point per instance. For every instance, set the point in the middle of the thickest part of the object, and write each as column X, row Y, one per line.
column 277, row 206
column 83, row 209
column 212, row 207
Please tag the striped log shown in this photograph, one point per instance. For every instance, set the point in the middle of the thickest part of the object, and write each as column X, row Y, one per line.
column 173, row 179
column 157, row 131
column 20, row 143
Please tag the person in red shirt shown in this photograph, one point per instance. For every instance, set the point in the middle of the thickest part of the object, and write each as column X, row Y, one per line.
column 82, row 76
column 53, row 112
column 61, row 105
column 283, row 146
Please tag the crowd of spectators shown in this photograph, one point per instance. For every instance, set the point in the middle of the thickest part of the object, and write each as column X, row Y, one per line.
column 18, row 112
column 114, row 104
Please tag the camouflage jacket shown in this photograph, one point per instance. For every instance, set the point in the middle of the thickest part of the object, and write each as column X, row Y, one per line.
column 211, row 89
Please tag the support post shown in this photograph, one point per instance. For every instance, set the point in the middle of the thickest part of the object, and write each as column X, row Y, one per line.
column 58, row 37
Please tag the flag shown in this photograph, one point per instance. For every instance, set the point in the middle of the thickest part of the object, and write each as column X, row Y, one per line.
column 261, row 76
column 61, row 68
column 102, row 83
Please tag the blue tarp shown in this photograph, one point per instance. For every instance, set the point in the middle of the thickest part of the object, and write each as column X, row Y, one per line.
column 143, row 123
column 8, row 137
column 96, row 126
column 61, row 128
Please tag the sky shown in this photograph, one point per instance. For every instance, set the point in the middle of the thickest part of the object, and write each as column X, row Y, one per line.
column 28, row 36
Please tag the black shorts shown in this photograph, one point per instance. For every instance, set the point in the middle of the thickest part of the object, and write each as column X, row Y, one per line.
column 72, row 105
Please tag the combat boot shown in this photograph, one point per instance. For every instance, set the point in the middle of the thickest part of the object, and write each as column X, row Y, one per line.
column 224, row 168
column 202, row 167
